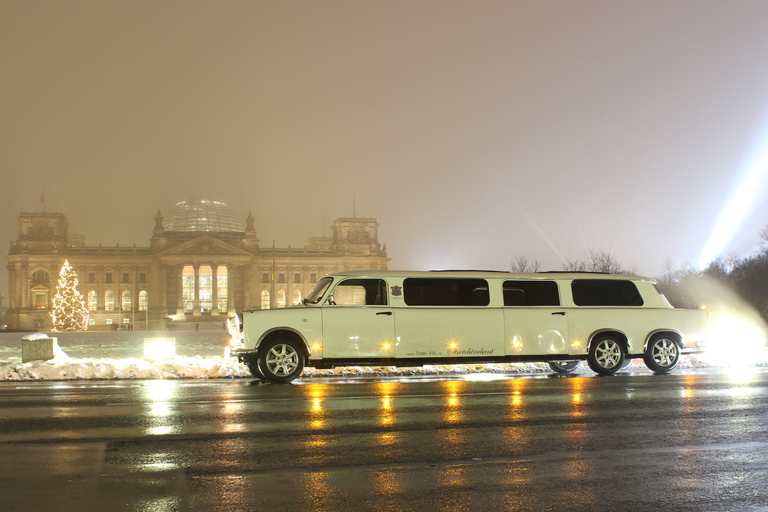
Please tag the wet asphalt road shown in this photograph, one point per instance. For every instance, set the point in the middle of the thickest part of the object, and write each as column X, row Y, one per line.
column 695, row 440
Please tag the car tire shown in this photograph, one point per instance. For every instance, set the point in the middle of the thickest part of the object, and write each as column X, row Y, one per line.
column 280, row 360
column 606, row 355
column 662, row 354
column 563, row 366
column 253, row 366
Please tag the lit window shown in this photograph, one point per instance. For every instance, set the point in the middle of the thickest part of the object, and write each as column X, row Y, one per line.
column 296, row 297
column 143, row 300
column 264, row 299
column 41, row 300
column 93, row 301
column 126, row 300
column 205, row 288
column 280, row 298
column 109, row 321
column 221, row 287
column 109, row 300
column 188, row 288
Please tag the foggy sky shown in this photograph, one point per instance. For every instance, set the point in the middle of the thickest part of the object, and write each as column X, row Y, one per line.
column 474, row 131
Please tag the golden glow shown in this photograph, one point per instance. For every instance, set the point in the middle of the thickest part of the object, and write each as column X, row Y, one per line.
column 156, row 349
column 453, row 389
column 578, row 386
column 386, row 414
column 317, row 393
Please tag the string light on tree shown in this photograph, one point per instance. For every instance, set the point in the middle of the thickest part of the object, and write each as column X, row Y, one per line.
column 69, row 311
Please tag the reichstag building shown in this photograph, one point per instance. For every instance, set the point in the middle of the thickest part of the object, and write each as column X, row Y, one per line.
column 202, row 266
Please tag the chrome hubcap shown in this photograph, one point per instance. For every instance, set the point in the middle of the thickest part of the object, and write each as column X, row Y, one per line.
column 664, row 352
column 608, row 354
column 282, row 360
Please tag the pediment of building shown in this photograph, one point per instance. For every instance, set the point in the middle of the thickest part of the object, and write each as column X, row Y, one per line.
column 205, row 245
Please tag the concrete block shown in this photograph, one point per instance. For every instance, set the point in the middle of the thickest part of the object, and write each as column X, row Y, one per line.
column 39, row 350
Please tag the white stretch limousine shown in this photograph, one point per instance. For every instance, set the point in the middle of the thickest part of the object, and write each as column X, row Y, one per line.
column 389, row 318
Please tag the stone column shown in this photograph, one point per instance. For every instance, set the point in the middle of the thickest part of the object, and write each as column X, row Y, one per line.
column 215, row 289
column 179, row 289
column 230, row 288
column 196, row 309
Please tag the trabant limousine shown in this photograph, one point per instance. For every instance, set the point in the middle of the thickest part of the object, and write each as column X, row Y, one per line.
column 390, row 318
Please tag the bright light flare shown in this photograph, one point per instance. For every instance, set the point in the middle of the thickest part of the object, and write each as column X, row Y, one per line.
column 736, row 340
column 747, row 193
column 158, row 349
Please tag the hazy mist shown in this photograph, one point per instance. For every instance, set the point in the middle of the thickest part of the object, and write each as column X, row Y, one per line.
column 473, row 131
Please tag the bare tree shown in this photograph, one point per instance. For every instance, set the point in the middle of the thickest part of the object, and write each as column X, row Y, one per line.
column 668, row 274
column 598, row 260
column 521, row 265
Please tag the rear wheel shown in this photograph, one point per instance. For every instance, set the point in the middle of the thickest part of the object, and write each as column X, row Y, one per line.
column 281, row 360
column 662, row 354
column 606, row 355
column 253, row 365
column 563, row 366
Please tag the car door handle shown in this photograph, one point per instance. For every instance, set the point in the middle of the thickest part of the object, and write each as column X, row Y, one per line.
column 559, row 313
column 384, row 313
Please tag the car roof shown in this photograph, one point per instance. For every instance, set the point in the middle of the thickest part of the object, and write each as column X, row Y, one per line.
column 489, row 274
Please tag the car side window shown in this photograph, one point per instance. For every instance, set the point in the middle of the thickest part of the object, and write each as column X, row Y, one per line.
column 531, row 293
column 445, row 292
column 605, row 292
column 360, row 292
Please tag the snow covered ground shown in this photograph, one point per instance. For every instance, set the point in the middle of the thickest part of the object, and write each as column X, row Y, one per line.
column 201, row 355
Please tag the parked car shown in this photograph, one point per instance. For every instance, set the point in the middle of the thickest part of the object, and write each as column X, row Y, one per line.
column 390, row 318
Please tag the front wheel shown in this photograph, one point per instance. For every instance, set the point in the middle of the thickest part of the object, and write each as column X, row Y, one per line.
column 563, row 366
column 606, row 355
column 281, row 360
column 661, row 354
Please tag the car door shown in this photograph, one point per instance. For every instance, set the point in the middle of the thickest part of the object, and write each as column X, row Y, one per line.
column 357, row 321
column 534, row 321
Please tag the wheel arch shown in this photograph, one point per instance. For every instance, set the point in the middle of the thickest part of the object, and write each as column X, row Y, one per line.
column 285, row 332
column 620, row 335
column 672, row 333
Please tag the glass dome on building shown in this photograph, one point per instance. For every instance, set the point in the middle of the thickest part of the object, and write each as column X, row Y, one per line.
column 201, row 215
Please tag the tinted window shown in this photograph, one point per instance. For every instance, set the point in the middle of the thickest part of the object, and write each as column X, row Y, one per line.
column 445, row 292
column 604, row 292
column 531, row 293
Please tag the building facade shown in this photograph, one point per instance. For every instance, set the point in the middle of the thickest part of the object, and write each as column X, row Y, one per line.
column 202, row 265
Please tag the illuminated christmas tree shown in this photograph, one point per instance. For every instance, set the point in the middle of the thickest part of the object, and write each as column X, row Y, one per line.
column 69, row 311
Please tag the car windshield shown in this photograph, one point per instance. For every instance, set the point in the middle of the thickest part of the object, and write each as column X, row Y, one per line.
column 317, row 294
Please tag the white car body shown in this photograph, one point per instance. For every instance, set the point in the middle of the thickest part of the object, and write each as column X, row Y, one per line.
column 390, row 318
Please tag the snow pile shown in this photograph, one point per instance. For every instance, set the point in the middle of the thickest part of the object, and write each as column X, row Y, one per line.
column 201, row 355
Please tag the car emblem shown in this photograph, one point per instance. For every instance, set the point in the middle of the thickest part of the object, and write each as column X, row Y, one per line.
column 397, row 291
